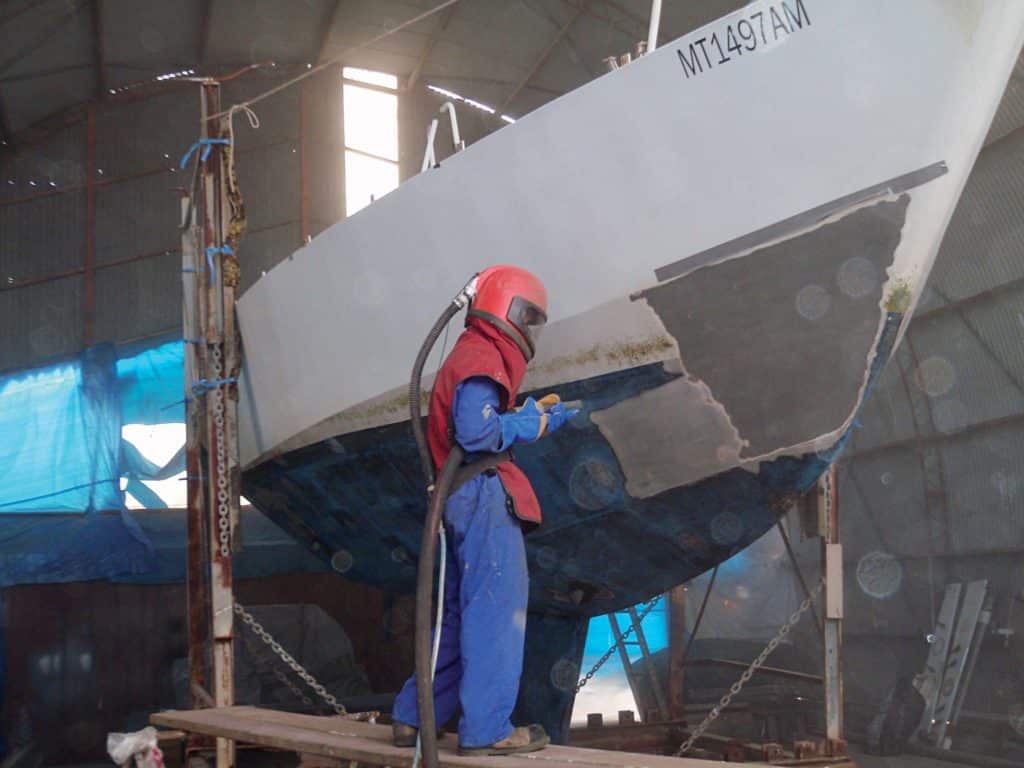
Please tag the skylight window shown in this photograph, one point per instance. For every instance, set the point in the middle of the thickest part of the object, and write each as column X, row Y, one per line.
column 371, row 136
column 382, row 79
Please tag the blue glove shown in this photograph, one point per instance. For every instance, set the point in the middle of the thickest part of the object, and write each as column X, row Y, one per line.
column 533, row 420
column 557, row 415
column 523, row 425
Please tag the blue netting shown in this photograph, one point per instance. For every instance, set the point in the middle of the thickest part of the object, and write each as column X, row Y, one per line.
column 62, row 449
column 61, row 427
column 152, row 385
column 62, row 463
column 116, row 546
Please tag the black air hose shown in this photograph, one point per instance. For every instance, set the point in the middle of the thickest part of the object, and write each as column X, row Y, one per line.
column 424, row 593
column 438, row 495
column 415, row 380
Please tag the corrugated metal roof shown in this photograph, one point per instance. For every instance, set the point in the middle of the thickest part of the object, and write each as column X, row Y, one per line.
column 261, row 30
column 486, row 51
column 143, row 40
column 50, row 37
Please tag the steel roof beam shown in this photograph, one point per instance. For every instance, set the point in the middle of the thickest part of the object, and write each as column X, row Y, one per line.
column 203, row 33
column 570, row 43
column 543, row 58
column 326, row 25
column 41, row 39
column 99, row 65
column 5, row 129
column 632, row 35
column 417, row 71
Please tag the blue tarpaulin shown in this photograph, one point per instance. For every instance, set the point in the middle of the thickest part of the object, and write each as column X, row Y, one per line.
column 63, row 462
column 62, row 449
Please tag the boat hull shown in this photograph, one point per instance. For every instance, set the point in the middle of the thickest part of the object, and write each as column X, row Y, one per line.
column 357, row 501
column 732, row 247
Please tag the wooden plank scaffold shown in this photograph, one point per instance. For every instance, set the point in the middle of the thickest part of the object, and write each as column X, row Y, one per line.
column 342, row 741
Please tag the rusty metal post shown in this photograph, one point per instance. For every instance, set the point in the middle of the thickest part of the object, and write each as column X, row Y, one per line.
column 676, row 653
column 221, row 414
column 197, row 572
column 89, row 287
column 832, row 568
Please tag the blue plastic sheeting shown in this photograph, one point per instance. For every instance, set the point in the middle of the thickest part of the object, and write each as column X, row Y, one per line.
column 62, row 433
column 62, row 449
column 49, row 549
column 152, row 385
column 62, row 452
column 146, row 547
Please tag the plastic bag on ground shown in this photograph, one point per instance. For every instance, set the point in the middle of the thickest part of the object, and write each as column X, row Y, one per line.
column 141, row 745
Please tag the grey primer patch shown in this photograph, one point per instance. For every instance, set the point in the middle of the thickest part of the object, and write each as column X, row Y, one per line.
column 800, row 221
column 782, row 377
column 669, row 436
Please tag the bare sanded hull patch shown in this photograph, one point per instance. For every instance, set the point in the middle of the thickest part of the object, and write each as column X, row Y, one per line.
column 791, row 368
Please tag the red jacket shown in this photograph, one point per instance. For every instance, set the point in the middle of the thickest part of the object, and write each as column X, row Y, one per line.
column 482, row 350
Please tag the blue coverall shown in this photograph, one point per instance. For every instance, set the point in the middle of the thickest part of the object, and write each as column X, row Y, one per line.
column 480, row 659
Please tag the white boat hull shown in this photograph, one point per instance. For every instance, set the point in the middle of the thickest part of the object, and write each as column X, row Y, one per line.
column 692, row 156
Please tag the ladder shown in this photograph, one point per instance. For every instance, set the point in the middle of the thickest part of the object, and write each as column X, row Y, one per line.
column 632, row 674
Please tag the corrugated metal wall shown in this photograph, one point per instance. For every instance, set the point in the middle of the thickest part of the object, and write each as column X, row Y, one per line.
column 42, row 232
column 938, row 463
column 43, row 212
column 89, row 658
column 932, row 484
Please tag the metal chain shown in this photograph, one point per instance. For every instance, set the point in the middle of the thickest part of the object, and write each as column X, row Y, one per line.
column 826, row 482
column 748, row 672
column 287, row 658
column 265, row 664
column 223, row 508
column 608, row 654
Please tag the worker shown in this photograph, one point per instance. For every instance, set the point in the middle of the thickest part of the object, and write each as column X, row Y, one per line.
column 480, row 657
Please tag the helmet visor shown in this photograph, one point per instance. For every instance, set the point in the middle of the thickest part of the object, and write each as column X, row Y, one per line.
column 528, row 318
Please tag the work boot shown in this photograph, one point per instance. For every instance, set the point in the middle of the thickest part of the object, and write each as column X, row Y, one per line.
column 527, row 738
column 403, row 735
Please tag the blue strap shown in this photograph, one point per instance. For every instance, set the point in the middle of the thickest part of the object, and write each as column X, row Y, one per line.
column 202, row 386
column 225, row 249
column 206, row 144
